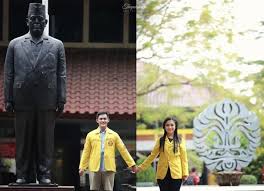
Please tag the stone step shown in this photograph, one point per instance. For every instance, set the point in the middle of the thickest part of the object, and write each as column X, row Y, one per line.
column 36, row 188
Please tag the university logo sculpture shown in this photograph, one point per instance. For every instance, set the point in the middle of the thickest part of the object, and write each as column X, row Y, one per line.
column 226, row 135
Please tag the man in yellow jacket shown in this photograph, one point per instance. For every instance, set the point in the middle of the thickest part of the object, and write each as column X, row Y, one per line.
column 99, row 155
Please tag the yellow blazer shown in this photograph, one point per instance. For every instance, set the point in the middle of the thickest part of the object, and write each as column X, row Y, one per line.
column 176, row 161
column 90, row 159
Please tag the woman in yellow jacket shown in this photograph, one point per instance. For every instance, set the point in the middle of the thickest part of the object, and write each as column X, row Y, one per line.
column 173, row 165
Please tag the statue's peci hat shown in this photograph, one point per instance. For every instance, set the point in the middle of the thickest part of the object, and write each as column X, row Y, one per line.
column 36, row 9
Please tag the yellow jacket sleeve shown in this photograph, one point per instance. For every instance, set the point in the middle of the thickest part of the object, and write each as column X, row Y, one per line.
column 184, row 161
column 154, row 153
column 84, row 163
column 124, row 152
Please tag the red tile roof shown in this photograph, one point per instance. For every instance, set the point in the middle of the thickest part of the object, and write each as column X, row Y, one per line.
column 97, row 80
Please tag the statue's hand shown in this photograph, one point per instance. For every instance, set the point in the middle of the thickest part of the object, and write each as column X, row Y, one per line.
column 60, row 108
column 9, row 107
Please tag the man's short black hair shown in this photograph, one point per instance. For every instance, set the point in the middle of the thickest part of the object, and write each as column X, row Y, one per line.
column 102, row 113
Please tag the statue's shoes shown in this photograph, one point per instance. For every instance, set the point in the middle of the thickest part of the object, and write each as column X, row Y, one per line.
column 45, row 181
column 21, row 181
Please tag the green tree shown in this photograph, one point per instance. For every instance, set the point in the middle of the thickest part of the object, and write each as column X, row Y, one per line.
column 189, row 41
column 255, row 167
column 200, row 36
column 147, row 175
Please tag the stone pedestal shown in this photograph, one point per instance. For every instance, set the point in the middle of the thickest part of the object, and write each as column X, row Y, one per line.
column 228, row 178
column 36, row 188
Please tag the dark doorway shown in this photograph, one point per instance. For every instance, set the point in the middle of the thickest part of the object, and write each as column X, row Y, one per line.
column 67, row 154
column 18, row 13
column 1, row 19
column 106, row 21
column 65, row 20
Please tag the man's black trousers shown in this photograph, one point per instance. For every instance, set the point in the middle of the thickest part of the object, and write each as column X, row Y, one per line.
column 34, row 143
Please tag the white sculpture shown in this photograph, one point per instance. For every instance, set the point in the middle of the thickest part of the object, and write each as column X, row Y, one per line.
column 226, row 136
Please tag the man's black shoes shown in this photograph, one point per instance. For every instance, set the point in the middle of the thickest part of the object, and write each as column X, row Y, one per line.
column 44, row 181
column 21, row 181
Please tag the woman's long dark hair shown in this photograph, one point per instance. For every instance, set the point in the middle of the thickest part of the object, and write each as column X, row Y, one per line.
column 176, row 138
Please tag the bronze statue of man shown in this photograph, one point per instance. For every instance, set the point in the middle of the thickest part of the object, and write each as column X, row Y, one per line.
column 35, row 89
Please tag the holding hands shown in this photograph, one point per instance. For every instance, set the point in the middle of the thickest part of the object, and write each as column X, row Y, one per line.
column 135, row 169
column 184, row 178
column 81, row 172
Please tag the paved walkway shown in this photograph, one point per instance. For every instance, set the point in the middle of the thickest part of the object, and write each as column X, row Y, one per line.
column 211, row 188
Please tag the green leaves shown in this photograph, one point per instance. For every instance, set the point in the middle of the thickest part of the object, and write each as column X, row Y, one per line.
column 153, row 117
column 200, row 39
column 147, row 45
column 147, row 175
column 205, row 17
column 255, row 167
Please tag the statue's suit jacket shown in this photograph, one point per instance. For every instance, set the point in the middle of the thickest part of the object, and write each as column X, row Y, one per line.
column 35, row 83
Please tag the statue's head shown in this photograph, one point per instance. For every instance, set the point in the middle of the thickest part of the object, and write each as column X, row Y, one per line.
column 36, row 20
